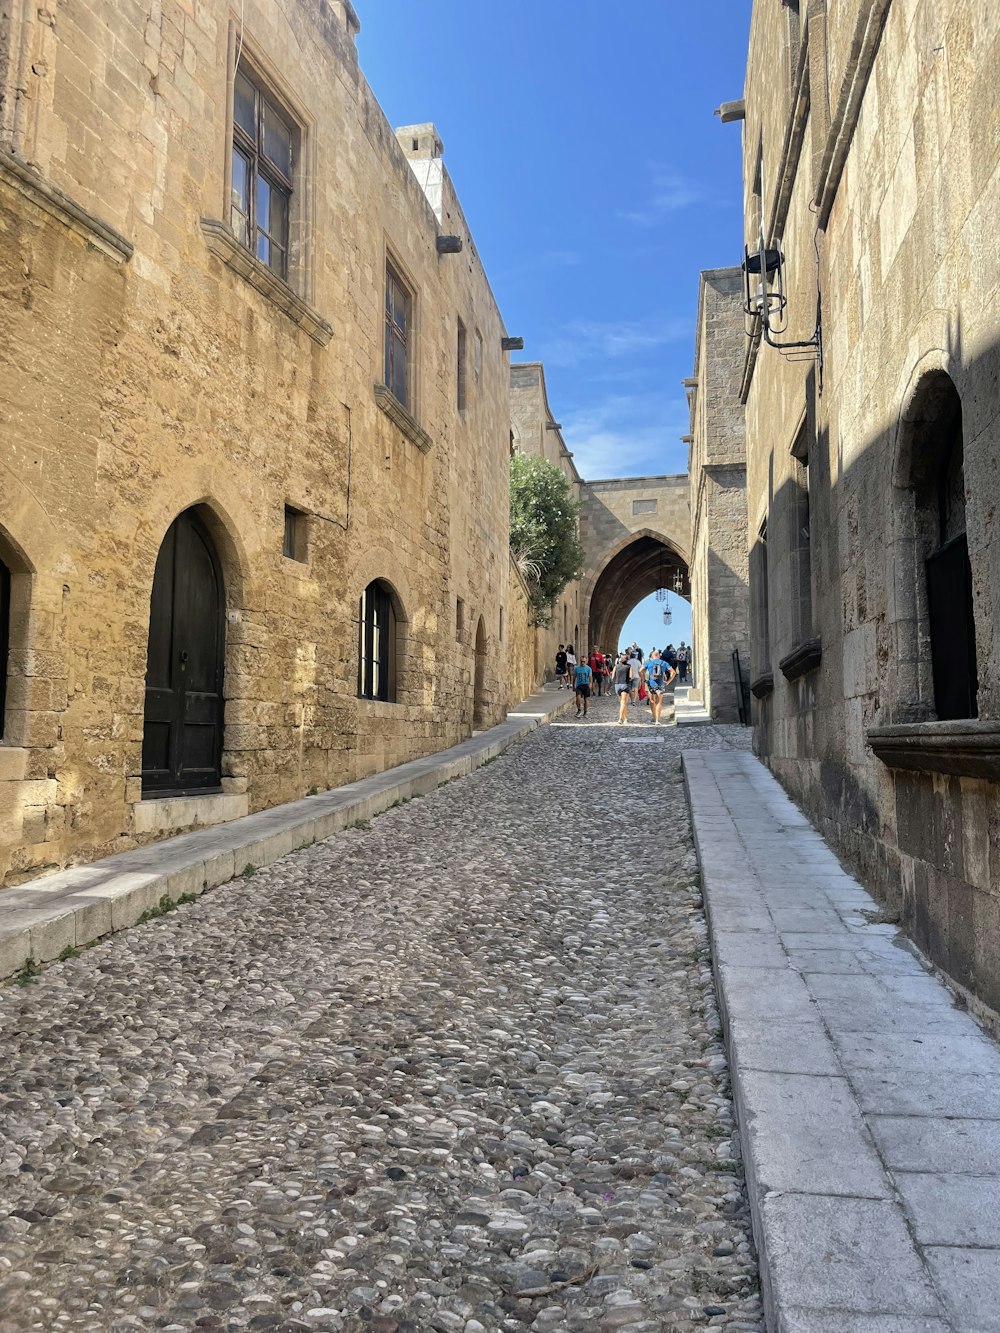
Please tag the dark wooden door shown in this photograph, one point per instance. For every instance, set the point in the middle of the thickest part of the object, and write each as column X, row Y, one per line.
column 182, row 737
column 953, row 637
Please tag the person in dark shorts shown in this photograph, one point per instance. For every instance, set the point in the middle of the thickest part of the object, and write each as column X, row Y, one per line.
column 582, row 676
column 624, row 674
column 561, row 667
column 658, row 678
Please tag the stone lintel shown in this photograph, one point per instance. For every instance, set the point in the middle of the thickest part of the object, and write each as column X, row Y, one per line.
column 762, row 685
column 804, row 657
column 969, row 748
column 27, row 182
column 399, row 416
column 224, row 245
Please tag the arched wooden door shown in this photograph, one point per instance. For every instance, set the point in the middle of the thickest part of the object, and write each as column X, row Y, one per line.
column 182, row 736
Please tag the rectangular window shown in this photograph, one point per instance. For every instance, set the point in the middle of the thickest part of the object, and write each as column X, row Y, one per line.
column 759, row 594
column 459, row 619
column 398, row 318
column 477, row 369
column 295, row 545
column 800, row 552
column 262, row 175
column 501, row 624
column 461, row 366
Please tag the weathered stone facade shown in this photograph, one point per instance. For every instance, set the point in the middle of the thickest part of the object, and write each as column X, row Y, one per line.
column 635, row 533
column 871, row 147
column 152, row 366
column 717, row 472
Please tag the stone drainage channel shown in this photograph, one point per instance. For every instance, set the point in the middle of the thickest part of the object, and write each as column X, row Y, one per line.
column 457, row 1070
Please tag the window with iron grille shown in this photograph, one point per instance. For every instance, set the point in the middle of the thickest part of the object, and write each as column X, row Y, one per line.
column 377, row 644
column 398, row 308
column 262, row 174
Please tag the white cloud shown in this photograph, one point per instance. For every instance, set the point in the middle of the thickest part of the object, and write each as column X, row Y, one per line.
column 668, row 193
column 583, row 340
column 628, row 435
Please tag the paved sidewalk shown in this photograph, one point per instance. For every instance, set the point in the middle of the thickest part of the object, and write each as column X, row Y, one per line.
column 869, row 1104
column 71, row 908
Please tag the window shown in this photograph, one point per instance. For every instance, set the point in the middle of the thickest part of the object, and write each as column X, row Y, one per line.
column 801, row 538
column 949, row 573
column 262, row 175
column 398, row 306
column 4, row 639
column 477, row 369
column 461, row 366
column 761, row 642
column 377, row 644
column 501, row 625
column 296, row 541
column 459, row 619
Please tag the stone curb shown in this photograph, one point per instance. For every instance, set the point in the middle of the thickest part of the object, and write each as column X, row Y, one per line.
column 72, row 908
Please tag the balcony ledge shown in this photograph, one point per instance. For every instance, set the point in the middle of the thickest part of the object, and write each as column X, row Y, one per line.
column 762, row 685
column 803, row 658
column 969, row 748
column 224, row 245
column 400, row 417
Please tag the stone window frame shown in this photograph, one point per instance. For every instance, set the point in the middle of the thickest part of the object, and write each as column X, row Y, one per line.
column 760, row 612
column 908, row 734
column 389, row 645
column 405, row 416
column 295, row 544
column 806, row 652
column 294, row 294
column 261, row 166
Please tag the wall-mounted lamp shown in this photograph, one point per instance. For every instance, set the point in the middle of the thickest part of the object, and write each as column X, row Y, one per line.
column 765, row 299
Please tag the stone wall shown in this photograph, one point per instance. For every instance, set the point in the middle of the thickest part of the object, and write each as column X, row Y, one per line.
column 717, row 470
column 880, row 152
column 150, row 364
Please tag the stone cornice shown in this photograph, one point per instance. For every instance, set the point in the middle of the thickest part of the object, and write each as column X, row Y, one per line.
column 968, row 748
column 224, row 245
column 399, row 416
column 804, row 657
column 762, row 685
column 33, row 187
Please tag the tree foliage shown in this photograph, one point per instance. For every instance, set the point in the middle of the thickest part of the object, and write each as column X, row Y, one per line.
column 544, row 536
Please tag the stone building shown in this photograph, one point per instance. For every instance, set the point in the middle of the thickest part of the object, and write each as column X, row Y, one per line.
column 718, row 475
column 534, row 430
column 253, row 425
column 871, row 142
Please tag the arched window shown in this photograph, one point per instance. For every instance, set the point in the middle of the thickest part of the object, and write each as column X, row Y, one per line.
column 377, row 643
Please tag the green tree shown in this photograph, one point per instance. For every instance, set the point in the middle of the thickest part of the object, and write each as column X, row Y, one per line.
column 544, row 538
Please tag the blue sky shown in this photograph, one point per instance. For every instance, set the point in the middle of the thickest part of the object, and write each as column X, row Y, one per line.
column 596, row 181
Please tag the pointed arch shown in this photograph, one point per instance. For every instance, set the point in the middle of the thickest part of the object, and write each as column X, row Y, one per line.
column 479, row 701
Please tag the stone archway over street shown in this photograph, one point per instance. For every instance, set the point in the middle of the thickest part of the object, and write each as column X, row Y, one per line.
column 635, row 533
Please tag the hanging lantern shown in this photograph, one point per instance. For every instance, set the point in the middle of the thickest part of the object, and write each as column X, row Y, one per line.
column 678, row 582
column 667, row 615
column 661, row 594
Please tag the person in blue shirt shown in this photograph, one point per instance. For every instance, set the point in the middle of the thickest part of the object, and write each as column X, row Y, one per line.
column 659, row 675
column 582, row 676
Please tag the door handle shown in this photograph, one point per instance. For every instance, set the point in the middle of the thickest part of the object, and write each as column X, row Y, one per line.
column 184, row 656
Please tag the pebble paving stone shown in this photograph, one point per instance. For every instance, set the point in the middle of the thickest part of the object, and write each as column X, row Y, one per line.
column 460, row 1070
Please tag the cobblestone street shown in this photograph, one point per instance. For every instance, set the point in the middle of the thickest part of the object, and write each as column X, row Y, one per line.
column 460, row 1070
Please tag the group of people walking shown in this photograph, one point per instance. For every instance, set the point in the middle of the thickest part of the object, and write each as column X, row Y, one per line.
column 632, row 677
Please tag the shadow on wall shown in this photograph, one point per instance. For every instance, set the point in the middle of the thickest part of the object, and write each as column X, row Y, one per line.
column 899, row 582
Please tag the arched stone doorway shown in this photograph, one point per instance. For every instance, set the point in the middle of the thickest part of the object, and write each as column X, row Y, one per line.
column 479, row 686
column 185, row 664
column 638, row 568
